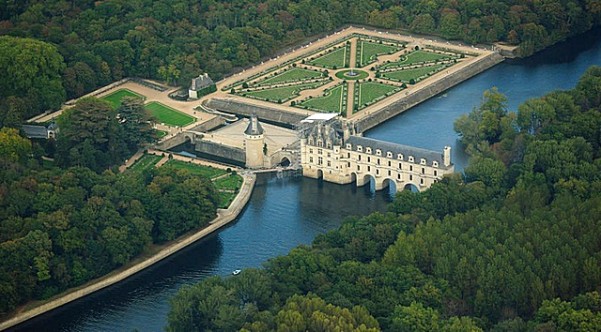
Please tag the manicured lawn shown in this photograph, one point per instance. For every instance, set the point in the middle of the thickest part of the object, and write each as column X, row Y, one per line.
column 116, row 97
column 160, row 133
column 167, row 115
column 330, row 103
column 281, row 94
column 207, row 171
column 369, row 91
column 406, row 75
column 369, row 51
column 225, row 199
column 231, row 182
column 417, row 56
column 146, row 162
column 333, row 59
column 294, row 74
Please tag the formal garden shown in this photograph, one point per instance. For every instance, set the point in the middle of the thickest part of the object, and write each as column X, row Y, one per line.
column 369, row 68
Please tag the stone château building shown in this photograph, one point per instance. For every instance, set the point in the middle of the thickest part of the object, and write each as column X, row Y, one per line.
column 201, row 82
column 331, row 151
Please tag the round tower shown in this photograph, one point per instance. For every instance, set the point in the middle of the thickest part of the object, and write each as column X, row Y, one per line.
column 254, row 143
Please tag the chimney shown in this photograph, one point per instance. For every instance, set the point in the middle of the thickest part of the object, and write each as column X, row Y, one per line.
column 446, row 156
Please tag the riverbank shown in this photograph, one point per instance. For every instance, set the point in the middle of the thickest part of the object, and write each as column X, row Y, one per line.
column 224, row 216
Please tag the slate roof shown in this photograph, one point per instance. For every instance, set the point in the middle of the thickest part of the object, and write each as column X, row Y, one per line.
column 396, row 149
column 201, row 82
column 254, row 127
column 35, row 131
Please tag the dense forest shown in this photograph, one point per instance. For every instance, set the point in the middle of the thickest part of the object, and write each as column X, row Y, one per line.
column 61, row 227
column 510, row 245
column 65, row 48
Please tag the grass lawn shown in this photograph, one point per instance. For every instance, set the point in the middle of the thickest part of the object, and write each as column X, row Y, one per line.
column 369, row 52
column 116, row 97
column 281, row 94
column 146, row 162
column 207, row 171
column 330, row 103
column 225, row 199
column 369, row 91
column 231, row 182
column 167, row 115
column 406, row 75
column 417, row 56
column 333, row 59
column 160, row 133
column 294, row 74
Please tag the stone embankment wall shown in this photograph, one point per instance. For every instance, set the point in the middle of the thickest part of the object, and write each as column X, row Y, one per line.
column 262, row 112
column 406, row 102
column 210, row 124
column 220, row 150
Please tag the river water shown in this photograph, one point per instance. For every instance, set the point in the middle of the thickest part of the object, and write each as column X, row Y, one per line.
column 284, row 213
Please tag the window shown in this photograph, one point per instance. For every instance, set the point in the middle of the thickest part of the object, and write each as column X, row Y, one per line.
column 422, row 161
column 358, row 167
column 400, row 166
column 349, row 147
column 411, row 159
column 368, row 150
column 389, row 163
column 359, row 157
column 369, row 168
column 320, row 161
column 377, row 172
column 400, row 156
column 319, row 151
column 421, row 181
column 388, row 154
column 329, row 163
column 410, row 168
column 329, row 155
column 359, row 148
column 435, row 163
column 310, row 150
column 435, row 173
column 378, row 152
column 389, row 173
column 329, row 145
column 349, row 155
column 369, row 159
column 378, row 161
column 398, row 176
column 423, row 170
column 311, row 159
column 410, row 177
column 349, row 164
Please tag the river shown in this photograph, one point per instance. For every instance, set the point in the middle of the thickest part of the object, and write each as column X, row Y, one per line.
column 284, row 213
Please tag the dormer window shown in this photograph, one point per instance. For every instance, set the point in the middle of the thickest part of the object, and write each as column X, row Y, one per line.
column 388, row 154
column 400, row 156
column 411, row 159
column 359, row 148
column 368, row 150
column 349, row 147
column 435, row 164
column 378, row 152
column 329, row 145
column 422, row 161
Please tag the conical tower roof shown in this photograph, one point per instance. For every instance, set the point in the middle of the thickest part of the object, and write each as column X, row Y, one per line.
column 254, row 127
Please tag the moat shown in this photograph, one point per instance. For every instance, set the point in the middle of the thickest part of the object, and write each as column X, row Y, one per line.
column 284, row 213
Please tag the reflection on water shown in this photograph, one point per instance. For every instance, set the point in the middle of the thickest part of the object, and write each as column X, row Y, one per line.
column 284, row 213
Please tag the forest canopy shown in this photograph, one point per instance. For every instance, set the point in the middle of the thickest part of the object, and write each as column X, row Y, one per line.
column 105, row 41
column 513, row 245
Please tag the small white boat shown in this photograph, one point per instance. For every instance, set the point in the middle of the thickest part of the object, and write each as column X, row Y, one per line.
column 236, row 272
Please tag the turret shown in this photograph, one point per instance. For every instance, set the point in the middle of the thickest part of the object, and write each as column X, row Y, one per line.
column 254, row 143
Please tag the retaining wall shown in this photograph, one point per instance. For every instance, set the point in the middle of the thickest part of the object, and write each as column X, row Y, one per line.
column 220, row 150
column 262, row 112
